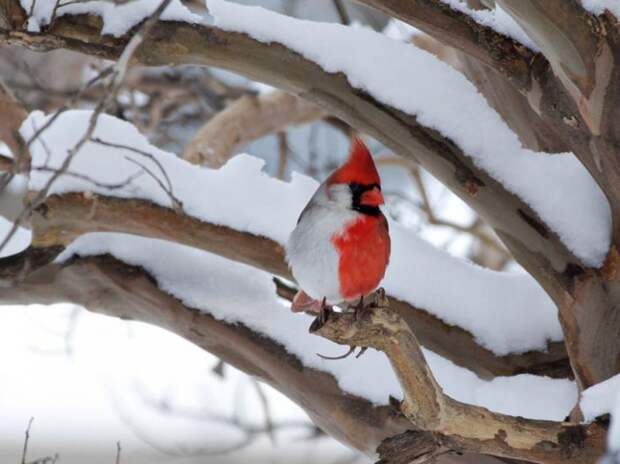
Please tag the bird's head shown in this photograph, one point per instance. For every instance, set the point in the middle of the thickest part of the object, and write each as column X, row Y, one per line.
column 356, row 184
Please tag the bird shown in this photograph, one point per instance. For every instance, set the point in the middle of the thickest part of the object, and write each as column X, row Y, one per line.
column 340, row 248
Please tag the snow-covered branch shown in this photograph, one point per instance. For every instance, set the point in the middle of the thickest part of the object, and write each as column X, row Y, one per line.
column 454, row 426
column 240, row 213
column 479, row 35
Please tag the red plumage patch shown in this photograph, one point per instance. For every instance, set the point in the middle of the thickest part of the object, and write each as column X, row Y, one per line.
column 364, row 250
column 359, row 168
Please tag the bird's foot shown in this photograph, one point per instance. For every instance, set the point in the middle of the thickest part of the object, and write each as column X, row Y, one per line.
column 322, row 318
column 324, row 312
column 377, row 300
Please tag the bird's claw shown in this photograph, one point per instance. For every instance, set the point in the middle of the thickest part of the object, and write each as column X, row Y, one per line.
column 322, row 318
column 346, row 355
column 335, row 358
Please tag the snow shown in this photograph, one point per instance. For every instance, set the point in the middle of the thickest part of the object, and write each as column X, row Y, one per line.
column 218, row 196
column 240, row 195
column 599, row 6
column 497, row 19
column 443, row 100
column 600, row 399
column 400, row 30
column 507, row 313
column 613, row 440
column 117, row 19
column 554, row 186
column 233, row 292
column 108, row 389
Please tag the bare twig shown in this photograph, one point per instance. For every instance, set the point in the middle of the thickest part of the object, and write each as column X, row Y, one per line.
column 118, row 73
column 176, row 203
column 26, row 439
column 77, row 175
column 282, row 154
column 341, row 9
column 266, row 410
column 54, row 13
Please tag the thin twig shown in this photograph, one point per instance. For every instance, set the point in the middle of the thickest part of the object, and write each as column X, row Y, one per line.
column 54, row 13
column 282, row 154
column 25, row 450
column 266, row 410
column 105, row 185
column 118, row 74
column 150, row 156
column 177, row 205
column 342, row 12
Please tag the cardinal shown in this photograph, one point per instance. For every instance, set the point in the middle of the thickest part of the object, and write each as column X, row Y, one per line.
column 340, row 248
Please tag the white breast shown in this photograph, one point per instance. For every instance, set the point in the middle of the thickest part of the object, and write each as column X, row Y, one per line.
column 310, row 252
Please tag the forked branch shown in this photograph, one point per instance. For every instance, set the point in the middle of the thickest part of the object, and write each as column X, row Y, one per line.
column 449, row 424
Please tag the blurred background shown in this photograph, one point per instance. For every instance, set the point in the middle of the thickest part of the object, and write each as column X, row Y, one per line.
column 101, row 390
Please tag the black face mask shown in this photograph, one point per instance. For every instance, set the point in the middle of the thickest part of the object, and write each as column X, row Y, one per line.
column 357, row 190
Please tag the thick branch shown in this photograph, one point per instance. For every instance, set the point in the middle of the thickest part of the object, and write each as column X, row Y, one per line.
column 462, row 32
column 399, row 131
column 247, row 119
column 569, row 38
column 454, row 425
column 108, row 286
column 61, row 219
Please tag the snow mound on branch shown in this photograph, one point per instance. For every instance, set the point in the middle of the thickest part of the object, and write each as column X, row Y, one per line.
column 219, row 196
column 506, row 313
column 236, row 293
column 598, row 7
column 600, row 399
column 497, row 19
column 117, row 19
column 557, row 187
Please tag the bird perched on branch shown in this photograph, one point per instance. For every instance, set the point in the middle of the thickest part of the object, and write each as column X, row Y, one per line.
column 340, row 247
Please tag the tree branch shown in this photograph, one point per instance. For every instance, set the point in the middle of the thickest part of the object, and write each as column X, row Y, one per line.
column 247, row 119
column 449, row 423
column 568, row 37
column 458, row 30
column 61, row 219
column 106, row 285
column 12, row 115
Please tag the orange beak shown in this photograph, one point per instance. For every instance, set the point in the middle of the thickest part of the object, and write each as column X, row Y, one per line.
column 372, row 198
